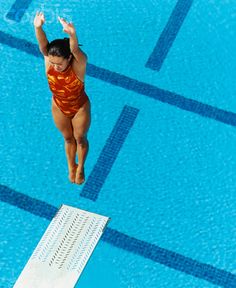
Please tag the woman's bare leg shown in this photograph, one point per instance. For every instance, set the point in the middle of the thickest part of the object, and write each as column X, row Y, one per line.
column 64, row 124
column 81, row 123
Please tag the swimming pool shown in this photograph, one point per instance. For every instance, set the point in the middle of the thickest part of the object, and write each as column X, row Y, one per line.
column 162, row 150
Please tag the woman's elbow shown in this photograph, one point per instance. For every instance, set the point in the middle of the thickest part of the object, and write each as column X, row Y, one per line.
column 44, row 50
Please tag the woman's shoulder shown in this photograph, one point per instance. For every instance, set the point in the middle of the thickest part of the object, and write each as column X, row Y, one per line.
column 79, row 69
column 47, row 64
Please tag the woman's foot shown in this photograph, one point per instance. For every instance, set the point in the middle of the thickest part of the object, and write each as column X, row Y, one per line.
column 72, row 173
column 79, row 178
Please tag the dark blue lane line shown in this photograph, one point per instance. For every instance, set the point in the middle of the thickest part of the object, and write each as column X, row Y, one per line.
column 169, row 34
column 109, row 153
column 18, row 9
column 20, row 44
column 25, row 202
column 134, row 85
column 115, row 238
column 161, row 95
column 170, row 259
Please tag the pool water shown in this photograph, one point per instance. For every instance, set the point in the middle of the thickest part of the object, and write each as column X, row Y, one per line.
column 162, row 158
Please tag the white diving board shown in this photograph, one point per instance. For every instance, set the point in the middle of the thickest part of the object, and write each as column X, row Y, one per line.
column 63, row 251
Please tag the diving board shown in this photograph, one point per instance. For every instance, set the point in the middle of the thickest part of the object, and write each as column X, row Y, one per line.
column 63, row 251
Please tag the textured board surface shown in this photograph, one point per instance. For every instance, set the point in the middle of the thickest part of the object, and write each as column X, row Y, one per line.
column 64, row 249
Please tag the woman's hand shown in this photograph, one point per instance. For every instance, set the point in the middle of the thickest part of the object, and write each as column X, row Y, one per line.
column 39, row 20
column 67, row 27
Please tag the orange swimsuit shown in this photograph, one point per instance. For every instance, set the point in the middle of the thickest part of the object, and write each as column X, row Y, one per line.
column 68, row 90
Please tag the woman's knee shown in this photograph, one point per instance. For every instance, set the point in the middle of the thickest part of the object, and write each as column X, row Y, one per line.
column 69, row 139
column 81, row 140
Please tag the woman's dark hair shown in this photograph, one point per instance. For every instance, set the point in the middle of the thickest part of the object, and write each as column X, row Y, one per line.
column 59, row 48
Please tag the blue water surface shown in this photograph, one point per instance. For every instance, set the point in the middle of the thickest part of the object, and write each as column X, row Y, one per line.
column 162, row 141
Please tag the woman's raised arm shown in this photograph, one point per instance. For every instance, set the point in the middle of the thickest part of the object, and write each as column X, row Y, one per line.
column 39, row 20
column 79, row 55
